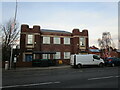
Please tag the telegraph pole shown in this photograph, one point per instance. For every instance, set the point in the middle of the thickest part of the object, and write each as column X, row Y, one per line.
column 14, row 25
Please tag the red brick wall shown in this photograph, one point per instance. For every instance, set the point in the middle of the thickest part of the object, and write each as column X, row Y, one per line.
column 119, row 54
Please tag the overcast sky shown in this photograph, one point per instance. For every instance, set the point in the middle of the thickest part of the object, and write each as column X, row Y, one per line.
column 97, row 17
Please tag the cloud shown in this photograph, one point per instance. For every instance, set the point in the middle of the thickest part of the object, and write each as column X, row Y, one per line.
column 62, row 0
column 95, row 21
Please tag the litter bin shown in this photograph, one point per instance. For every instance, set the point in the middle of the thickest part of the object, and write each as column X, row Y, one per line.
column 60, row 62
column 6, row 65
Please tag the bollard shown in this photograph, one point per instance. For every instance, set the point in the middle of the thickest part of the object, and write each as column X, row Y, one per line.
column 6, row 65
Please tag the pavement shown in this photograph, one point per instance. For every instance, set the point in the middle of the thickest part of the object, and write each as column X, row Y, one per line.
column 37, row 68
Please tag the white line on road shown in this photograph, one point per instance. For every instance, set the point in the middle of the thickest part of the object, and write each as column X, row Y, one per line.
column 102, row 77
column 35, row 84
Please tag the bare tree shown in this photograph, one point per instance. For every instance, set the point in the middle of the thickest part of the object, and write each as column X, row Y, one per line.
column 10, row 33
column 106, row 43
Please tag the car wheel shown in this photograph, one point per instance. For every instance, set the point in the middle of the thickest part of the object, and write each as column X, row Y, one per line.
column 101, row 65
column 79, row 66
column 112, row 64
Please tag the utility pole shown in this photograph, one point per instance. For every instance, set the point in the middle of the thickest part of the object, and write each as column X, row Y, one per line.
column 14, row 25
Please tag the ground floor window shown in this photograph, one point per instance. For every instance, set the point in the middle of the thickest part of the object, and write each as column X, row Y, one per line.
column 57, row 55
column 28, row 57
column 66, row 55
column 45, row 56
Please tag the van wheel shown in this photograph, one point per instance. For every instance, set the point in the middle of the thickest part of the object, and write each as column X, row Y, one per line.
column 79, row 66
column 112, row 64
column 101, row 65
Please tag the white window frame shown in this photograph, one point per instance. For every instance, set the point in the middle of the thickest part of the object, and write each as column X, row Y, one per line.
column 66, row 40
column 81, row 41
column 46, row 40
column 56, row 40
column 30, row 39
column 67, row 55
column 57, row 55
column 45, row 56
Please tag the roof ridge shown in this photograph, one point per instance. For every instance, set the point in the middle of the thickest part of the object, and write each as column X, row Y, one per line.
column 50, row 30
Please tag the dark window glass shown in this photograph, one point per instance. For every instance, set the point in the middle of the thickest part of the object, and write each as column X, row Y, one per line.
column 28, row 57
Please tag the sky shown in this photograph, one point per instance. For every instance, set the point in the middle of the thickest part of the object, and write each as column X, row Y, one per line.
column 96, row 17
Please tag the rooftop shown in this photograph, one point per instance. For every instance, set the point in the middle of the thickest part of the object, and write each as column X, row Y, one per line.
column 94, row 50
column 118, row 50
column 59, row 31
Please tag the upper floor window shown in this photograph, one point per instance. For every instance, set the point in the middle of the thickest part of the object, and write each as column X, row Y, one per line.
column 66, row 40
column 56, row 40
column 29, row 39
column 66, row 55
column 82, row 41
column 46, row 40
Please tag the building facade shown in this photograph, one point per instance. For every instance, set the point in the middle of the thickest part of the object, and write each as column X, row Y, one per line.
column 37, row 43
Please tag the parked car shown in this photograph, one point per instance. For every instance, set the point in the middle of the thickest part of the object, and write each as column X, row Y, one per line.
column 112, row 61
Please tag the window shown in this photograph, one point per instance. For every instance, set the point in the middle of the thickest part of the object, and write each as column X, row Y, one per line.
column 46, row 40
column 56, row 40
column 57, row 55
column 46, row 56
column 66, row 40
column 82, row 41
column 29, row 39
column 66, row 55
column 28, row 57
column 96, row 57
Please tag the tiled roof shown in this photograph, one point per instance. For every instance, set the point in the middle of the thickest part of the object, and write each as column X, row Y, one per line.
column 118, row 50
column 94, row 50
column 60, row 31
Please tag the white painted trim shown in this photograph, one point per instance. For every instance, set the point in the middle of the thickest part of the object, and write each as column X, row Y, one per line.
column 30, row 33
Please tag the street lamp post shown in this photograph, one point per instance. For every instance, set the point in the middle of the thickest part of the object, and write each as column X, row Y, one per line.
column 13, row 28
column 11, row 56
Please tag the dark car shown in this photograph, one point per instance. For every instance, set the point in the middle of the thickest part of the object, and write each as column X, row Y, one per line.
column 112, row 61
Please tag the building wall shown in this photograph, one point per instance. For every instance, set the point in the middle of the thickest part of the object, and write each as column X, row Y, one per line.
column 119, row 54
column 74, row 46
column 114, row 54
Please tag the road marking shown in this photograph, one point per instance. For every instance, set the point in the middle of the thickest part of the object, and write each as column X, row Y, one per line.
column 34, row 84
column 76, row 71
column 102, row 77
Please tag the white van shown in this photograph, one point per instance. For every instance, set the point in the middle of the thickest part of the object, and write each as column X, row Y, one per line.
column 78, row 60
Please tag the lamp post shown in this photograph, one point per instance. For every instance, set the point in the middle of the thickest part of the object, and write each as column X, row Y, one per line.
column 11, row 56
column 13, row 41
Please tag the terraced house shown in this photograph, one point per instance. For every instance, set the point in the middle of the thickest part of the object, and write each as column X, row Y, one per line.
column 57, row 45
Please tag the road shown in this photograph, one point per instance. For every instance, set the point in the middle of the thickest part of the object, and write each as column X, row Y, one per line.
column 87, row 77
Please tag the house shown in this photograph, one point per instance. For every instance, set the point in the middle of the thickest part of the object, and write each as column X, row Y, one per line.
column 37, row 43
column 94, row 50
column 118, row 52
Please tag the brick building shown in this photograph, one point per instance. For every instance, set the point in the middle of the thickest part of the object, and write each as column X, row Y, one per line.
column 37, row 43
column 112, row 53
column 94, row 50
